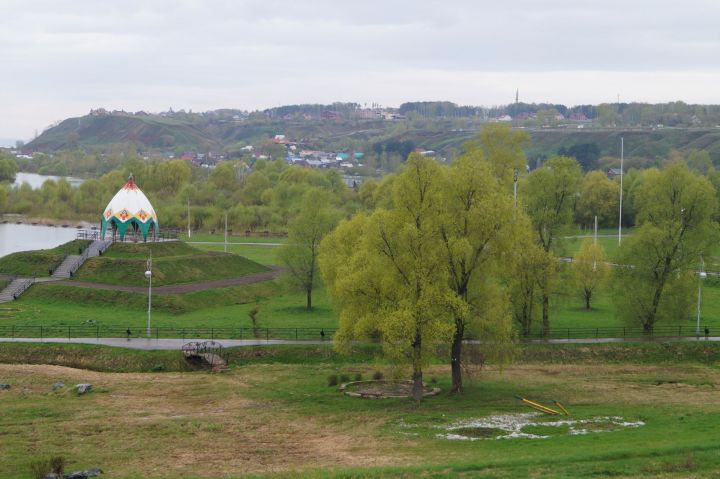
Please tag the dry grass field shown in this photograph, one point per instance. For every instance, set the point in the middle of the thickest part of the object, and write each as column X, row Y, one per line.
column 283, row 419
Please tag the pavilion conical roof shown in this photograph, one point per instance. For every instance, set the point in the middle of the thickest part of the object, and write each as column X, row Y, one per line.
column 130, row 203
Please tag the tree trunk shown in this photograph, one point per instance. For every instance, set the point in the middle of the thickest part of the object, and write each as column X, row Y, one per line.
column 455, row 355
column 546, row 315
column 588, row 295
column 648, row 326
column 417, row 389
column 309, row 298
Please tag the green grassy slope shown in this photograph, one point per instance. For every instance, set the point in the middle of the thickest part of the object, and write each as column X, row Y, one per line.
column 97, row 131
column 643, row 143
column 40, row 262
column 143, row 250
column 167, row 270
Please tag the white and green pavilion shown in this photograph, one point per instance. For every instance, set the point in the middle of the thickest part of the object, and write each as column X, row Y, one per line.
column 130, row 210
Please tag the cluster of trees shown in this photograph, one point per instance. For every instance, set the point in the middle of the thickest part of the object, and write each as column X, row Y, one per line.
column 437, row 252
column 264, row 198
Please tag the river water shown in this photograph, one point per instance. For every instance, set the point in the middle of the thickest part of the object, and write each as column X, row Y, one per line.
column 35, row 181
column 14, row 237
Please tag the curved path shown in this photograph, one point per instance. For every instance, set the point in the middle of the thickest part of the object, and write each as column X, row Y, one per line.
column 181, row 288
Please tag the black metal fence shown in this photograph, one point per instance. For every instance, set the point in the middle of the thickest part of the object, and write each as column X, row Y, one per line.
column 98, row 331
column 621, row 332
column 93, row 234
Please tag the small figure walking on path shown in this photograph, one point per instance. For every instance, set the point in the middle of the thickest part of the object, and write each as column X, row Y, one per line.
column 707, row 333
column 129, row 333
column 322, row 334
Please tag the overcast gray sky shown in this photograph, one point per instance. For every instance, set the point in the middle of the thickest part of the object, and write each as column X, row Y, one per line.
column 60, row 58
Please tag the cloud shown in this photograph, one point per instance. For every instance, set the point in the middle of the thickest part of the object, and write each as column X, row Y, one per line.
column 61, row 58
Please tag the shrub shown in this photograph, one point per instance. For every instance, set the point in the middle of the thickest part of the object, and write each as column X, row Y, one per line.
column 253, row 316
column 332, row 380
column 57, row 465
column 358, row 377
column 377, row 375
column 159, row 367
column 40, row 468
column 344, row 378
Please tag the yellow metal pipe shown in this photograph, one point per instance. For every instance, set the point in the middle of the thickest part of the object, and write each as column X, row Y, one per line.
column 540, row 407
column 537, row 408
column 562, row 408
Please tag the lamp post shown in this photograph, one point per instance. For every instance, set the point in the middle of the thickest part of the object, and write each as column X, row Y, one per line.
column 148, row 275
column 515, row 181
column 701, row 276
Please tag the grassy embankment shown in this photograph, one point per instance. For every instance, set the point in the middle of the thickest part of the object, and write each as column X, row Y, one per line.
column 274, row 414
column 57, row 305
column 173, row 263
column 54, row 305
column 41, row 262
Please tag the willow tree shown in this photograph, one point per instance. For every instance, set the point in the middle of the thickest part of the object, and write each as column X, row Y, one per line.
column 476, row 228
column 305, row 232
column 529, row 268
column 590, row 270
column 386, row 272
column 675, row 213
column 503, row 148
column 550, row 200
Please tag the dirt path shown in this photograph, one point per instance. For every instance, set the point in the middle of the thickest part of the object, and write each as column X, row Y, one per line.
column 181, row 288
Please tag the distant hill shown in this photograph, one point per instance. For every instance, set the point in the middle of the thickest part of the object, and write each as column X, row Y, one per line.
column 211, row 132
column 97, row 131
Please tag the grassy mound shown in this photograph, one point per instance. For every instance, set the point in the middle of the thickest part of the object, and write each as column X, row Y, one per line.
column 143, row 250
column 173, row 263
column 40, row 262
column 50, row 293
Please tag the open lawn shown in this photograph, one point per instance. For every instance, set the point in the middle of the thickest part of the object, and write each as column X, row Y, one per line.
column 266, row 255
column 232, row 238
column 57, row 305
column 272, row 418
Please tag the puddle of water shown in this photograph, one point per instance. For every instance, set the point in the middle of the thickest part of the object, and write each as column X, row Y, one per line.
column 511, row 426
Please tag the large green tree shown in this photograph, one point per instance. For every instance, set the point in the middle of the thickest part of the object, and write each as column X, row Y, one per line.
column 503, row 148
column 551, row 194
column 476, row 228
column 305, row 232
column 599, row 197
column 8, row 169
column 387, row 274
column 590, row 270
column 675, row 213
column 529, row 268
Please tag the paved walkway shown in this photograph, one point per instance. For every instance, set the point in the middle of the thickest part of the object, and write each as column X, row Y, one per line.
column 220, row 243
column 176, row 344
column 159, row 344
column 181, row 288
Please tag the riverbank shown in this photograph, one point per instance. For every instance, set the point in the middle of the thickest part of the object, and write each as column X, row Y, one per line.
column 12, row 218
